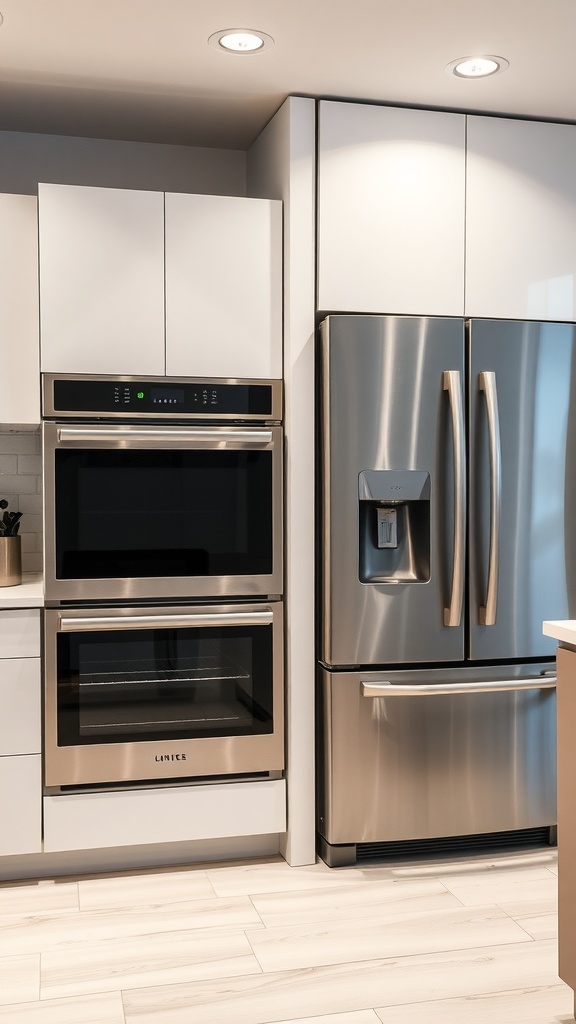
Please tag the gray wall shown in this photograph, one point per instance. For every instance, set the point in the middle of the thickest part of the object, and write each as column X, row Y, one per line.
column 26, row 159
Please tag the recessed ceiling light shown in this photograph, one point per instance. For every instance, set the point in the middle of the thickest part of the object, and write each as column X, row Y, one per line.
column 477, row 67
column 241, row 40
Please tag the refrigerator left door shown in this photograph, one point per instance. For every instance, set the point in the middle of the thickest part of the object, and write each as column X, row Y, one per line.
column 391, row 398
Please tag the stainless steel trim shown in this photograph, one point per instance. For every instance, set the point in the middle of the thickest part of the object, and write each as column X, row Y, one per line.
column 260, row 618
column 487, row 384
column 452, row 384
column 442, row 689
column 219, row 438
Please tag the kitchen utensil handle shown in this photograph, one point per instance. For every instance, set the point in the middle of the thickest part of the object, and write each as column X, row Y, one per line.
column 260, row 618
column 487, row 384
column 220, row 437
column 452, row 384
column 451, row 689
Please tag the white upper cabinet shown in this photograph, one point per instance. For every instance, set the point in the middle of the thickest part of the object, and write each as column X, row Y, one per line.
column 391, row 210
column 19, row 349
column 223, row 286
column 521, row 219
column 101, row 280
column 143, row 283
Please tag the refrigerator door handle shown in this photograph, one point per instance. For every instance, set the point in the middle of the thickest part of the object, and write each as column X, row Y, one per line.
column 451, row 689
column 487, row 384
column 451, row 384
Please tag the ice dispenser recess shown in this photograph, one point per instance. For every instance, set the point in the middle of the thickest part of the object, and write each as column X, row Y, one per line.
column 394, row 521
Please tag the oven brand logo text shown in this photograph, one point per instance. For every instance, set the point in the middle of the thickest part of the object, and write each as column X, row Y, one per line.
column 170, row 757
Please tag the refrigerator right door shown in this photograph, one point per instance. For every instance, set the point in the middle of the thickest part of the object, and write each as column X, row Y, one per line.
column 522, row 485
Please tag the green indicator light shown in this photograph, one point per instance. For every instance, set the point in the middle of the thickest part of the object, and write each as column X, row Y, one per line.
column 140, row 394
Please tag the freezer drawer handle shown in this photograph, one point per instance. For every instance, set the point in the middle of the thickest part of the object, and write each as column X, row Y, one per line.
column 260, row 618
column 487, row 384
column 451, row 689
column 451, row 384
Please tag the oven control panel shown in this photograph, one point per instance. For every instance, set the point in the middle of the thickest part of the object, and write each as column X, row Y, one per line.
column 160, row 397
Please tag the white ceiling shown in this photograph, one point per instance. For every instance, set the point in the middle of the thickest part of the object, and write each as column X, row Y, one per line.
column 143, row 69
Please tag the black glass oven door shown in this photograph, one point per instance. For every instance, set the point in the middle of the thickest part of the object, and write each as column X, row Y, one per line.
column 126, row 515
column 164, row 684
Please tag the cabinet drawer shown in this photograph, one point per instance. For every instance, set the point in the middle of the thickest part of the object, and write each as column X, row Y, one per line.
column 91, row 820
column 20, row 804
column 20, row 706
column 20, row 633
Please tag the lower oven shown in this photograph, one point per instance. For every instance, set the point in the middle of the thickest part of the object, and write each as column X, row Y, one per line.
column 145, row 694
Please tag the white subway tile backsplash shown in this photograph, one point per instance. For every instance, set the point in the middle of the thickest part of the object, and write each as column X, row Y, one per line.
column 31, row 503
column 29, row 464
column 21, row 485
column 18, row 484
column 8, row 464
column 31, row 523
column 20, row 444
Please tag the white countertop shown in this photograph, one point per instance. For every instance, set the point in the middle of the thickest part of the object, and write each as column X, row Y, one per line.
column 563, row 630
column 28, row 594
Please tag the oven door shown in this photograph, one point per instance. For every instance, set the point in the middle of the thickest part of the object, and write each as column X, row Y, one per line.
column 162, row 512
column 162, row 693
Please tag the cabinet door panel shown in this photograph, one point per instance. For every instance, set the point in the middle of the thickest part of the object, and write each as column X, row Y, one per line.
column 521, row 219
column 20, row 804
column 101, row 280
column 223, row 286
column 20, row 633
column 20, row 720
column 391, row 210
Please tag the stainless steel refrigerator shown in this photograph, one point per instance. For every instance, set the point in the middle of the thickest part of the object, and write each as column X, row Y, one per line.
column 447, row 534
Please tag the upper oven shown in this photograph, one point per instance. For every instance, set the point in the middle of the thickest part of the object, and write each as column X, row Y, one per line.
column 161, row 488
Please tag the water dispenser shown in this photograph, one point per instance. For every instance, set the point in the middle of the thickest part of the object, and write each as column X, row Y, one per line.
column 394, row 521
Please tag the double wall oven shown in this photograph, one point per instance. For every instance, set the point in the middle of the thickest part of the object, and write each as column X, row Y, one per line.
column 163, row 580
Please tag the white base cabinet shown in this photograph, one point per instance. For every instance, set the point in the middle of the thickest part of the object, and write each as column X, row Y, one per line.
column 521, row 219
column 391, row 184
column 20, row 732
column 20, row 804
column 154, row 284
column 167, row 815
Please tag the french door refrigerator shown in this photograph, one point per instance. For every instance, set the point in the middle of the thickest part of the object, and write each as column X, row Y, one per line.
column 447, row 534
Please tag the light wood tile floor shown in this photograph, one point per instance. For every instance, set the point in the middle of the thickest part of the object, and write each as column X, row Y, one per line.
column 470, row 941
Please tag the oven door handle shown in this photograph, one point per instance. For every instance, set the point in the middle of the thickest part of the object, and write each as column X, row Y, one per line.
column 169, row 621
column 172, row 435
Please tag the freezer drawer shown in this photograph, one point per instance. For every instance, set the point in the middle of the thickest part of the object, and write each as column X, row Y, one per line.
column 419, row 755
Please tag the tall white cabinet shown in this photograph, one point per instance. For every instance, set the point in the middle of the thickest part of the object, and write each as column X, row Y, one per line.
column 520, row 219
column 19, row 350
column 148, row 283
column 390, row 210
